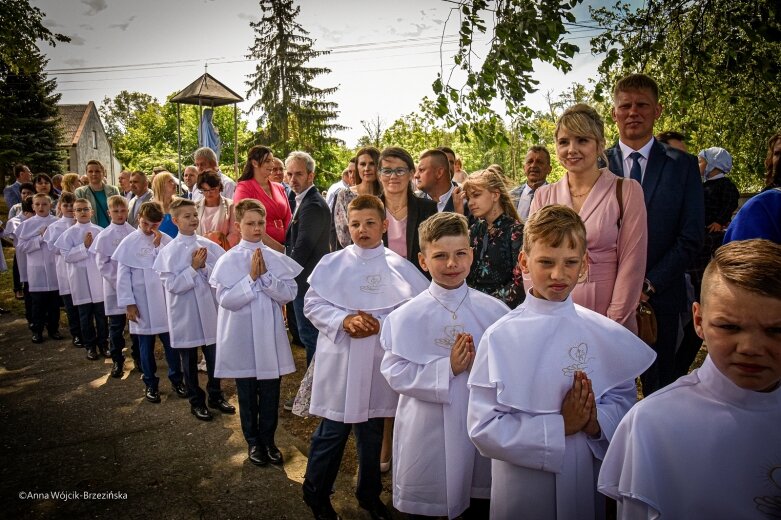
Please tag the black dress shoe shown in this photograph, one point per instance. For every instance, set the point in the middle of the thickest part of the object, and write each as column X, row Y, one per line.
column 117, row 369
column 324, row 512
column 37, row 337
column 152, row 395
column 77, row 342
column 92, row 354
column 274, row 456
column 377, row 510
column 201, row 413
column 3, row 310
column 56, row 335
column 180, row 389
column 258, row 456
column 222, row 405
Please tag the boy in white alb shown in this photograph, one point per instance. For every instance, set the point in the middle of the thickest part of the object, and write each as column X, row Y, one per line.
column 550, row 382
column 140, row 291
column 351, row 292
column 84, row 279
column 20, row 260
column 184, row 266
column 52, row 233
column 253, row 283
column 41, row 270
column 709, row 445
column 429, row 348
column 104, row 245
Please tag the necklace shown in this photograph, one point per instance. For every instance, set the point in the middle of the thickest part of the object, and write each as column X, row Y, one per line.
column 579, row 194
column 451, row 311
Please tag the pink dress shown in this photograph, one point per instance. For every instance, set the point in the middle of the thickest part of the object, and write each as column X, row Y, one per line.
column 278, row 212
column 616, row 258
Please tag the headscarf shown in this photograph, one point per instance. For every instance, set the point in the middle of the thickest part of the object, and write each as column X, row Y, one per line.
column 716, row 157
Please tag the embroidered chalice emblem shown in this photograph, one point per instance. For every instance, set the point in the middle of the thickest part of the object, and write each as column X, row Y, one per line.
column 579, row 355
column 451, row 332
column 374, row 282
column 146, row 251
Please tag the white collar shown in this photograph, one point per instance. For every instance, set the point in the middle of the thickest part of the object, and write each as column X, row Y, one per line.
column 444, row 294
column 645, row 150
column 300, row 196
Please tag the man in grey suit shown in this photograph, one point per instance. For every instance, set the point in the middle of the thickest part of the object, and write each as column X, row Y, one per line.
column 537, row 167
column 674, row 203
column 139, row 186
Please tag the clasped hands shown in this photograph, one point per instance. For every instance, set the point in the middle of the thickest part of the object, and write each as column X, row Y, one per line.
column 579, row 408
column 462, row 355
column 361, row 325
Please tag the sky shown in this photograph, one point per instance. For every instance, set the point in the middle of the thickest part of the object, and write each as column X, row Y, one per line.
column 384, row 55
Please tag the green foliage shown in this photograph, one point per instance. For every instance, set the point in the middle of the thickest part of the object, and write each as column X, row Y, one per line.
column 30, row 130
column 295, row 113
column 21, row 29
column 717, row 62
column 146, row 132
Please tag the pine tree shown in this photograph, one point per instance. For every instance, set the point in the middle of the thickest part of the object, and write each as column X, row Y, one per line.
column 30, row 128
column 296, row 114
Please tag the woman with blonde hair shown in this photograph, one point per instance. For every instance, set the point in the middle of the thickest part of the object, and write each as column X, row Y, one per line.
column 613, row 210
column 496, row 238
column 163, row 191
column 70, row 181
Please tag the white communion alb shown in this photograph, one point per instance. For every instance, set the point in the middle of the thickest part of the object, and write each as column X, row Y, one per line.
column 85, row 281
column 103, row 247
column 40, row 268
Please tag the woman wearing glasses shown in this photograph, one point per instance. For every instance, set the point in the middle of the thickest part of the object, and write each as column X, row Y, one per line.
column 215, row 212
column 404, row 210
column 366, row 183
column 255, row 183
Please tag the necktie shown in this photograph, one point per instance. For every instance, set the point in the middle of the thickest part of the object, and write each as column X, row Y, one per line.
column 636, row 172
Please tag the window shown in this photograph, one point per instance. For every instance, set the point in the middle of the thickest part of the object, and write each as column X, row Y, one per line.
column 94, row 140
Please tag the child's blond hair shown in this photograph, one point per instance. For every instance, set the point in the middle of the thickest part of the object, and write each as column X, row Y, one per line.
column 552, row 226
column 753, row 265
column 247, row 205
column 117, row 201
column 444, row 224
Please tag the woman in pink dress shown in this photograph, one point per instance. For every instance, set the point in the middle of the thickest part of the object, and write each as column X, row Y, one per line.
column 254, row 183
column 616, row 250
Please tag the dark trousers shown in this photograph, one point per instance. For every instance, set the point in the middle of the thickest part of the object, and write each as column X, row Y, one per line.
column 146, row 345
column 28, row 303
column 190, row 369
column 45, row 309
column 306, row 331
column 74, row 323
column 17, row 279
column 258, row 409
column 291, row 322
column 325, row 457
column 94, row 326
column 116, row 337
column 662, row 372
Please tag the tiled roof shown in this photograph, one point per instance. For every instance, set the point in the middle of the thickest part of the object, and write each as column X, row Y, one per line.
column 72, row 118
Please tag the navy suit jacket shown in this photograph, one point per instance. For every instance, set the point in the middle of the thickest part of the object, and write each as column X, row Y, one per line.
column 674, row 202
column 306, row 240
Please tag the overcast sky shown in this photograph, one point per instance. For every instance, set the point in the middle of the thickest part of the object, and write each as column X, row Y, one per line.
column 385, row 54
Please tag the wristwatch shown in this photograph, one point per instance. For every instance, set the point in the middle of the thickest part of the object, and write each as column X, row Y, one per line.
column 648, row 289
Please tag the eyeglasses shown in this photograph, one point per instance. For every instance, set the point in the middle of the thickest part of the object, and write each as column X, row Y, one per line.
column 211, row 190
column 398, row 172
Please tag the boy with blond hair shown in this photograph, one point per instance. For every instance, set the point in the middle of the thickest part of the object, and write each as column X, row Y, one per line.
column 709, row 445
column 429, row 347
column 550, row 382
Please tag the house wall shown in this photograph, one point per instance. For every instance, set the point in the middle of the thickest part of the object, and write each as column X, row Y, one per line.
column 86, row 151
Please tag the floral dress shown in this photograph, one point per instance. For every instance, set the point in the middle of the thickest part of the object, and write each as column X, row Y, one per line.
column 495, row 270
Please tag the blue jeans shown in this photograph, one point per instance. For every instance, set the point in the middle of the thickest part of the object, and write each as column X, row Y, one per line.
column 146, row 344
column 306, row 331
column 258, row 409
column 190, row 369
column 325, row 457
column 94, row 327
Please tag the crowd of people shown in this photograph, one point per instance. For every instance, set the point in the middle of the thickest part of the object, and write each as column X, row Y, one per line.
column 482, row 339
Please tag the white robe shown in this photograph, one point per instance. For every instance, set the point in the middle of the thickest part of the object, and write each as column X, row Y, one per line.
column 51, row 234
column 700, row 448
column 347, row 385
column 41, row 268
column 430, row 438
column 192, row 306
column 523, row 369
column 138, row 283
column 85, row 281
column 10, row 232
column 251, row 336
column 103, row 247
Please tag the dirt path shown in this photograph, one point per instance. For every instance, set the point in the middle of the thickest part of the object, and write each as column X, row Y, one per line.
column 66, row 427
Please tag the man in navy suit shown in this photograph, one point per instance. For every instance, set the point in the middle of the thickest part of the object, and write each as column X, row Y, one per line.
column 433, row 178
column 307, row 237
column 674, row 203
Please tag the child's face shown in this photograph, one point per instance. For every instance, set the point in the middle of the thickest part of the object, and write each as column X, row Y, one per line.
column 82, row 212
column 147, row 227
column 742, row 331
column 67, row 209
column 448, row 260
column 554, row 271
column 118, row 214
column 366, row 227
column 27, row 193
column 482, row 201
column 42, row 207
column 252, row 226
column 186, row 220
